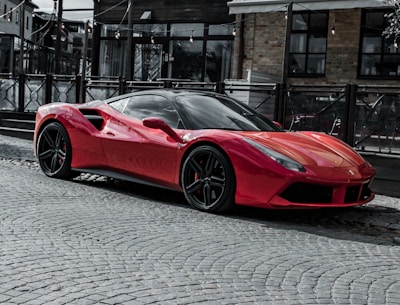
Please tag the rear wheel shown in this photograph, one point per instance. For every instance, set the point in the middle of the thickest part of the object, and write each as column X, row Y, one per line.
column 208, row 180
column 54, row 151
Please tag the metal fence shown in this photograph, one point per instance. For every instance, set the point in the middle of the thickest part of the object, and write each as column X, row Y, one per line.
column 366, row 117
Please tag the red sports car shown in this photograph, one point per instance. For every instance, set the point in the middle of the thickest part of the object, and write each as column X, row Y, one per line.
column 214, row 149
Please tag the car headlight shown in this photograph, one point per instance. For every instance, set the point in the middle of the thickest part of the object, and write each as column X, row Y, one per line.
column 278, row 158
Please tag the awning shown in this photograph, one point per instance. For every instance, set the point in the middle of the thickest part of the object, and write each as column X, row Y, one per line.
column 263, row 6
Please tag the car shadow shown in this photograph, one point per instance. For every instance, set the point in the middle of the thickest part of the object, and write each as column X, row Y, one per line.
column 371, row 223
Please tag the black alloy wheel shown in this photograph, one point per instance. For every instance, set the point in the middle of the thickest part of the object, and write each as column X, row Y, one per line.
column 208, row 180
column 54, row 151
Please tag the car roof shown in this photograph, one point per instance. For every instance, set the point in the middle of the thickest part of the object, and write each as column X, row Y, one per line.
column 169, row 93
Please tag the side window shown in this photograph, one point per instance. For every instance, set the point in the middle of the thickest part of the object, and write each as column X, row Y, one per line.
column 119, row 105
column 144, row 106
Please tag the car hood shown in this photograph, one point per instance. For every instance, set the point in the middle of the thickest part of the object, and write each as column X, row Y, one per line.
column 310, row 149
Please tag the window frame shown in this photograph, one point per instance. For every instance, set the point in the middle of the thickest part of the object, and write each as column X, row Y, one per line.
column 382, row 53
column 309, row 33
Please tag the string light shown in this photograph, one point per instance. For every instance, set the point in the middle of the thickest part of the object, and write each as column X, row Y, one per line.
column 191, row 37
column 117, row 34
column 333, row 30
column 234, row 31
column 395, row 43
column 152, row 39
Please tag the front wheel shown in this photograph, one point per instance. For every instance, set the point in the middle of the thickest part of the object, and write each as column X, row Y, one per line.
column 54, row 151
column 208, row 180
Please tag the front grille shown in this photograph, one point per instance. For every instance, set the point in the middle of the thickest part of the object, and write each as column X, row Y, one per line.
column 308, row 193
column 357, row 193
column 352, row 193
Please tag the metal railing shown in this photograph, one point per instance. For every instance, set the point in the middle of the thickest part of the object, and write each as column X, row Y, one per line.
column 366, row 117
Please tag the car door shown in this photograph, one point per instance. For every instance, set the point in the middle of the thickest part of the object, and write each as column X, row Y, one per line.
column 135, row 149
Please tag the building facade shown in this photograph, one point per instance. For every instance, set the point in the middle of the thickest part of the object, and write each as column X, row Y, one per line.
column 324, row 42
column 15, row 20
column 143, row 40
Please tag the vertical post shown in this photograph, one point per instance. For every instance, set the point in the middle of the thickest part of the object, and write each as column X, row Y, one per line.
column 58, row 37
column 22, row 79
column 121, row 85
column 82, row 95
column 287, row 44
column 22, row 36
column 49, row 84
column 128, row 75
column 349, row 129
column 21, row 92
column 238, row 71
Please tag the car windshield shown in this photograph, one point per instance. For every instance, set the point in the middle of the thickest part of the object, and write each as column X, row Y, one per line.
column 218, row 112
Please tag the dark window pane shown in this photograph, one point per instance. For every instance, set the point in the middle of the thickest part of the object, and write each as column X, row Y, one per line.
column 218, row 60
column 372, row 44
column 201, row 111
column 316, row 64
column 375, row 21
column 300, row 22
column 317, row 44
column 391, row 65
column 298, row 43
column 188, row 59
column 369, row 64
column 319, row 22
column 141, row 107
column 297, row 64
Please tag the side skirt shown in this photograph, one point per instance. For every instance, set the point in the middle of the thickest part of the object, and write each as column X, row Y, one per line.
column 120, row 176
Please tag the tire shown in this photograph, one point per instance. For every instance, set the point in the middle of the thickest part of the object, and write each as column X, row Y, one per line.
column 54, row 151
column 208, row 180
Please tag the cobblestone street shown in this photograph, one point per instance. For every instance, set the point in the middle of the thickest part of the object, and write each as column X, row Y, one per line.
column 98, row 241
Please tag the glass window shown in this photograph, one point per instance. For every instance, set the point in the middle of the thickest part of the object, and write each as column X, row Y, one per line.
column 308, row 41
column 218, row 60
column 202, row 111
column 120, row 104
column 224, row 29
column 188, row 59
column 187, row 29
column 147, row 30
column 5, row 54
column 145, row 106
column 379, row 57
column 112, row 53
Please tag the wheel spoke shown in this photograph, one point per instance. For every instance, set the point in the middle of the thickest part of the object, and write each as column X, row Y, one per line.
column 54, row 163
column 195, row 186
column 207, row 194
column 59, row 140
column 62, row 154
column 210, row 165
column 46, row 154
column 218, row 182
column 196, row 167
column 49, row 140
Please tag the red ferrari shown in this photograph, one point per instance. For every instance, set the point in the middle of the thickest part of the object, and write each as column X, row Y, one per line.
column 214, row 149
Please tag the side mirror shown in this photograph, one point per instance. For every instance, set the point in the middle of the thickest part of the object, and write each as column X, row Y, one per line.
column 157, row 123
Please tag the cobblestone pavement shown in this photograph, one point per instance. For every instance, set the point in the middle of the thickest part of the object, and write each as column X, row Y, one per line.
column 99, row 241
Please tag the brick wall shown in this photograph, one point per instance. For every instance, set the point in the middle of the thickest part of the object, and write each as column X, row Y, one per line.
column 264, row 43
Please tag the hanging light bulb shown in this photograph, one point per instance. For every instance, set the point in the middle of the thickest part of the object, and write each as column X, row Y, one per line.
column 191, row 38
column 152, row 39
column 333, row 29
column 117, row 34
column 234, row 31
column 395, row 43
